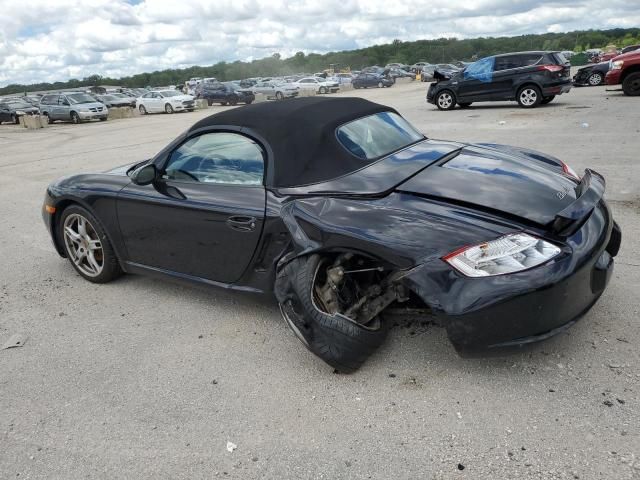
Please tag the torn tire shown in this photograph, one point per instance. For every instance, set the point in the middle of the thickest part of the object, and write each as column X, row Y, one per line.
column 338, row 340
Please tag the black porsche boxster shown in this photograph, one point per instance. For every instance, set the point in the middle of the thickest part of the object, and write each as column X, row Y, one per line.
column 344, row 210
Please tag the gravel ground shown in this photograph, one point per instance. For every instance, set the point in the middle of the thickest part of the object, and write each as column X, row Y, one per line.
column 145, row 379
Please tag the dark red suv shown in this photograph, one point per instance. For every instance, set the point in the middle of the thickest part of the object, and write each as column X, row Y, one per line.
column 625, row 70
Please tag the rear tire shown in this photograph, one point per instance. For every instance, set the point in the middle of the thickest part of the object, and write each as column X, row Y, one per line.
column 445, row 100
column 323, row 90
column 143, row 111
column 339, row 341
column 631, row 84
column 380, row 85
column 529, row 96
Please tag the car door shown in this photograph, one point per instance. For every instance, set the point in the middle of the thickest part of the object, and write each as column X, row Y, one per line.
column 506, row 70
column 474, row 83
column 203, row 217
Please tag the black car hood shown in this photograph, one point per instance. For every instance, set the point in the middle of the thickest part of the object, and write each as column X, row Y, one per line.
column 512, row 181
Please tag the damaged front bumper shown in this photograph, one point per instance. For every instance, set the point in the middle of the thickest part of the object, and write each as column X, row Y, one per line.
column 500, row 313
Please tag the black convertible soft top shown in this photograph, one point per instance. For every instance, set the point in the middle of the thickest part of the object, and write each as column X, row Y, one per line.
column 301, row 133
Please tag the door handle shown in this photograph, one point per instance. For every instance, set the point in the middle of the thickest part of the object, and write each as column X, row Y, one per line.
column 242, row 223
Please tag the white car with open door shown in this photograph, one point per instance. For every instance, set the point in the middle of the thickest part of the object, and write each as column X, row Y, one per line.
column 168, row 101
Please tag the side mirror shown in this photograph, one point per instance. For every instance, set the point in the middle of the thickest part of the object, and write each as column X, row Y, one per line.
column 144, row 175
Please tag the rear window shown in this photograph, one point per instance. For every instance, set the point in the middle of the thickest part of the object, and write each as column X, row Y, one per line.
column 377, row 135
column 562, row 60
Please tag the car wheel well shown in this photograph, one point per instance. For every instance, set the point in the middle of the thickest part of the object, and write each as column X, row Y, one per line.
column 61, row 206
column 628, row 71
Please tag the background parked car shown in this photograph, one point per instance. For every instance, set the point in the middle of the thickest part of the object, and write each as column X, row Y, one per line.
column 317, row 84
column 224, row 94
column 366, row 80
column 530, row 78
column 76, row 107
column 446, row 69
column 625, row 70
column 400, row 73
column 275, row 89
column 591, row 75
column 168, row 101
column 11, row 110
column 129, row 97
column 113, row 101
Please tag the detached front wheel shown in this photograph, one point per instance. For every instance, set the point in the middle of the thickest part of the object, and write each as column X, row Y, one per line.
column 340, row 340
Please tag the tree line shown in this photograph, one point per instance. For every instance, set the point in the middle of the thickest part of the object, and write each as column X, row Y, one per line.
column 442, row 50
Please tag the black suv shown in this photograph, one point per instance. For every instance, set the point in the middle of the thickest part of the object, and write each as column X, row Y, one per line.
column 223, row 94
column 530, row 78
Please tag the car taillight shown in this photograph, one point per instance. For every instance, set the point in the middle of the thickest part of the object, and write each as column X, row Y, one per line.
column 551, row 68
column 569, row 171
column 509, row 254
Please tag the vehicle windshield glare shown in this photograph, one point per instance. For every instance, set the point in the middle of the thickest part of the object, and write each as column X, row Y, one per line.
column 377, row 135
column 170, row 93
column 76, row 98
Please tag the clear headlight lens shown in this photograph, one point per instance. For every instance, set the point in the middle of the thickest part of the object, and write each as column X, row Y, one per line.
column 617, row 64
column 512, row 253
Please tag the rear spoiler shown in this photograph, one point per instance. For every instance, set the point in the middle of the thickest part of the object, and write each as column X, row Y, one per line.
column 590, row 192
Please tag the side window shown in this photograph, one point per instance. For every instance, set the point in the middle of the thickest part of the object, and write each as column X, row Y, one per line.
column 218, row 158
column 505, row 63
column 528, row 60
column 62, row 100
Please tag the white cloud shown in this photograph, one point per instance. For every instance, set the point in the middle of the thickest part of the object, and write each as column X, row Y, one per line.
column 44, row 40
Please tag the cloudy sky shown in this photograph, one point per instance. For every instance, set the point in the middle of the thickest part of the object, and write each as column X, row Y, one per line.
column 49, row 40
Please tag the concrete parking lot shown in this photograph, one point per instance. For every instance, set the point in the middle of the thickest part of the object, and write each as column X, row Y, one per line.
column 141, row 378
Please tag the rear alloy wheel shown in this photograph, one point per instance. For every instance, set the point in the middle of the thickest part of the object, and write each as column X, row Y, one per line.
column 87, row 246
column 279, row 96
column 143, row 111
column 168, row 108
column 445, row 100
column 529, row 96
column 321, row 308
column 631, row 84
column 546, row 100
column 75, row 118
column 595, row 79
column 323, row 90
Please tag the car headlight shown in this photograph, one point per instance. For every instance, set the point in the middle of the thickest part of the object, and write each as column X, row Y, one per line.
column 617, row 65
column 512, row 253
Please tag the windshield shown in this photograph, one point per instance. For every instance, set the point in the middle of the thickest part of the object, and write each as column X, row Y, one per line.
column 76, row 98
column 377, row 135
column 170, row 93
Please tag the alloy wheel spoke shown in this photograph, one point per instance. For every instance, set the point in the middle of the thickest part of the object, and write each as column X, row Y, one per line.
column 94, row 245
column 71, row 235
column 93, row 263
